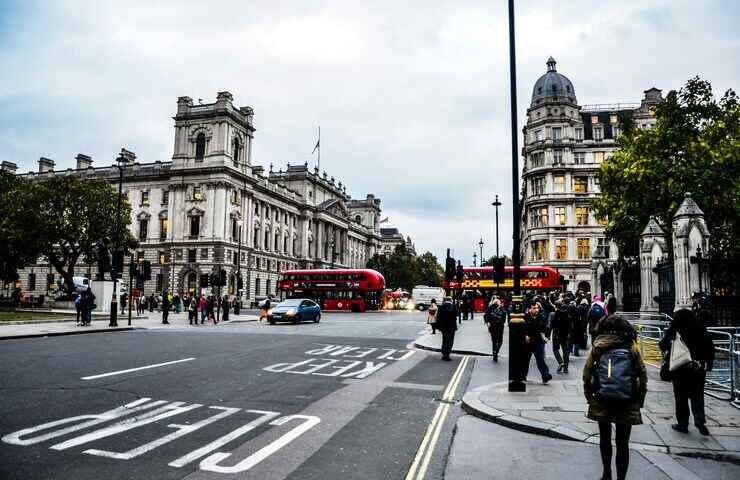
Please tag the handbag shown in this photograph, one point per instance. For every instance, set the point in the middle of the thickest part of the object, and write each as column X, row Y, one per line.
column 680, row 355
column 665, row 367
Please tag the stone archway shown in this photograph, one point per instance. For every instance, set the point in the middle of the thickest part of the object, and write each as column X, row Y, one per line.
column 584, row 286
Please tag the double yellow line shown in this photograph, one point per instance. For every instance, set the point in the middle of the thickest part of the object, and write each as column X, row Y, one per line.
column 424, row 454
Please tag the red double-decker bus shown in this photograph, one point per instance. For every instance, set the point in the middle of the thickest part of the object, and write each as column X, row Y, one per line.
column 353, row 290
column 479, row 282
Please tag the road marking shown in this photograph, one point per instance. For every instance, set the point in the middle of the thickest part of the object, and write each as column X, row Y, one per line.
column 431, row 435
column 145, row 367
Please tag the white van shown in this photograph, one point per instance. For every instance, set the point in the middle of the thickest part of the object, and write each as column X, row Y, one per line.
column 422, row 296
column 81, row 283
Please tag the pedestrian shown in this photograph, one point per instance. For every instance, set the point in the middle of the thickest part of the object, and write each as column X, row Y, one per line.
column 78, row 309
column 152, row 301
column 446, row 323
column 123, row 298
column 615, row 385
column 432, row 316
column 176, row 302
column 611, row 304
column 193, row 312
column 495, row 318
column 579, row 338
column 561, row 327
column 210, row 306
column 688, row 380
column 203, row 308
column 535, row 337
column 87, row 305
column 225, row 307
column 264, row 308
column 596, row 313
column 165, row 308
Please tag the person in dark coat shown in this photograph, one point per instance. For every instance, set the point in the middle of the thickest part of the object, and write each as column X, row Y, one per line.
column 87, row 304
column 165, row 308
column 536, row 337
column 211, row 308
column 561, row 327
column 688, row 381
column 495, row 318
column 447, row 324
column 225, row 307
column 614, row 332
column 579, row 340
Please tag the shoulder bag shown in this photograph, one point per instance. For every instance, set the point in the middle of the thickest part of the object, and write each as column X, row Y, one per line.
column 680, row 355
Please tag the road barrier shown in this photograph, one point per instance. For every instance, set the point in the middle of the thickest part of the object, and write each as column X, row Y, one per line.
column 650, row 328
column 721, row 381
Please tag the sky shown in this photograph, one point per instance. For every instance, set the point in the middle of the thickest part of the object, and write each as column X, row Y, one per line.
column 412, row 97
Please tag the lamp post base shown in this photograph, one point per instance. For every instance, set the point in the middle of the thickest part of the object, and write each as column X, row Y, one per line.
column 113, row 314
column 517, row 346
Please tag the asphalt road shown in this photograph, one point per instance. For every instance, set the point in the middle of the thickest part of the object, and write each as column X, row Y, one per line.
column 345, row 398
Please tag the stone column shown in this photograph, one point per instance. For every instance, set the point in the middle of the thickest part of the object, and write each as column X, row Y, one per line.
column 652, row 248
column 689, row 232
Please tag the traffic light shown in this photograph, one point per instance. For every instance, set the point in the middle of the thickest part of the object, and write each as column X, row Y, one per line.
column 459, row 272
column 449, row 269
column 213, row 279
column 222, row 278
column 102, row 256
column 239, row 282
column 204, row 281
column 499, row 270
column 146, row 270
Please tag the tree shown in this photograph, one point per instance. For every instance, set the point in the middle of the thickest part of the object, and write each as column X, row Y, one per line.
column 693, row 147
column 507, row 260
column 430, row 271
column 68, row 216
column 402, row 269
column 16, row 250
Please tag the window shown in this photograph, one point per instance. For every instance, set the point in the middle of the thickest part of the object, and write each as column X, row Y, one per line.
column 266, row 245
column 559, row 215
column 197, row 192
column 277, row 242
column 603, row 221
column 598, row 134
column 234, row 229
column 594, row 119
column 32, row 281
column 267, row 286
column 194, row 226
column 234, row 197
column 256, row 208
column 557, row 133
column 557, row 157
column 583, row 250
column 200, row 146
column 255, row 238
column 237, row 150
column 615, row 131
column 613, row 119
column 558, row 183
column 256, row 286
column 162, row 258
column 178, row 254
column 204, row 254
column 580, row 158
column 144, row 198
column 538, row 185
column 538, row 135
column 285, row 245
column 143, row 229
column 139, row 257
column 163, row 227
column 541, row 217
column 561, row 249
column 582, row 215
column 602, row 247
column 160, row 282
column 598, row 157
column 192, row 255
column 539, row 249
column 192, row 282
column 580, row 184
column 579, row 134
column 537, row 159
column 165, row 197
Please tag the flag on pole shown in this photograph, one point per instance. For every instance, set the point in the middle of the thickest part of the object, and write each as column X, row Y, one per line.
column 385, row 220
column 317, row 146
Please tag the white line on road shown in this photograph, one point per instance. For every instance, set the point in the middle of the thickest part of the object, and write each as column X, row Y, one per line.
column 145, row 367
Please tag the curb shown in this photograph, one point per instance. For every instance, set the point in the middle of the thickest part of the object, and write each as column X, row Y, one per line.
column 40, row 322
column 459, row 352
column 472, row 405
column 71, row 332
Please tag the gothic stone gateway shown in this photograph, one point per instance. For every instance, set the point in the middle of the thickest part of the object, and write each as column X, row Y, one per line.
column 188, row 213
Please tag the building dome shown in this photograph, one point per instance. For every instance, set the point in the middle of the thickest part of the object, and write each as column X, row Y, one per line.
column 552, row 84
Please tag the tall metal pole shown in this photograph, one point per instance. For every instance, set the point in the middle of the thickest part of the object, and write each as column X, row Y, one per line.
column 116, row 246
column 238, row 270
column 517, row 344
column 480, row 244
column 496, row 204
column 131, row 272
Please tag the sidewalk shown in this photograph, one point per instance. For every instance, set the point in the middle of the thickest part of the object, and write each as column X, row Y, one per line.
column 558, row 409
column 151, row 320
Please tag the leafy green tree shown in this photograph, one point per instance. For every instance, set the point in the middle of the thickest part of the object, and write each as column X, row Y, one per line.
column 16, row 250
column 430, row 271
column 507, row 260
column 68, row 215
column 693, row 147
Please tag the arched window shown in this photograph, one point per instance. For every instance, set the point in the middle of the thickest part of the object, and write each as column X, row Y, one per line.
column 237, row 150
column 200, row 146
column 192, row 282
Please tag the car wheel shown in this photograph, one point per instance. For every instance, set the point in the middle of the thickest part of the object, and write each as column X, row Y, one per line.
column 272, row 322
column 317, row 319
column 297, row 319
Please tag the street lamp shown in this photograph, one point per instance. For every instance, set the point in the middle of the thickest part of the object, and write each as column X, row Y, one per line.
column 475, row 255
column 480, row 244
column 121, row 162
column 238, row 269
column 517, row 343
column 496, row 204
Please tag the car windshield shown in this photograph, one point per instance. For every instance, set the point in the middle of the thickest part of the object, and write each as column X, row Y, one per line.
column 290, row 303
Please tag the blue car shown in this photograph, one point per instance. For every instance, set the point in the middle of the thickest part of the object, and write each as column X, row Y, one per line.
column 295, row 310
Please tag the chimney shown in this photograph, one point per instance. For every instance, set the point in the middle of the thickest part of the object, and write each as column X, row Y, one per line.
column 184, row 104
column 224, row 97
column 83, row 161
column 9, row 167
column 128, row 155
column 46, row 165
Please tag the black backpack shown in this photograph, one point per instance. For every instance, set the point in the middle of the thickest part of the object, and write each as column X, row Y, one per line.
column 615, row 376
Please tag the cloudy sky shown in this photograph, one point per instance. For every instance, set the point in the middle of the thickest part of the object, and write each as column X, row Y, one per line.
column 412, row 97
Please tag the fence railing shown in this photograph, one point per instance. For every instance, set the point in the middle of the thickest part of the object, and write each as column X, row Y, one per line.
column 722, row 380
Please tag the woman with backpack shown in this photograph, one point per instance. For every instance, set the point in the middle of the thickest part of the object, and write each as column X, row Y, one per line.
column 615, row 385
column 688, row 381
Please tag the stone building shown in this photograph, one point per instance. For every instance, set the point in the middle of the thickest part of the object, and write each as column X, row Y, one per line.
column 391, row 238
column 211, row 207
column 564, row 145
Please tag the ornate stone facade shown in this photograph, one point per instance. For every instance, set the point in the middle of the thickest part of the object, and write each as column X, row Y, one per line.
column 210, row 208
column 564, row 145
